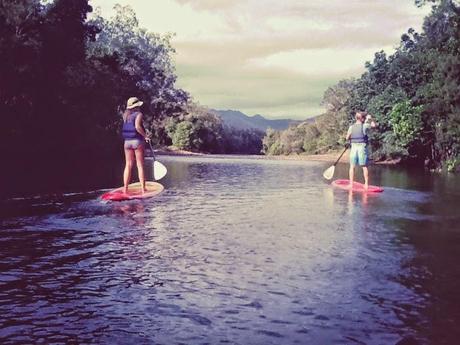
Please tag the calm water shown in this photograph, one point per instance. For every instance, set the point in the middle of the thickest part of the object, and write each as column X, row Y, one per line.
column 235, row 251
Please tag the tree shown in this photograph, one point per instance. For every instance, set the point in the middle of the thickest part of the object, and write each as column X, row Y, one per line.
column 64, row 79
column 406, row 123
column 269, row 140
column 310, row 143
column 183, row 137
column 20, row 47
column 144, row 63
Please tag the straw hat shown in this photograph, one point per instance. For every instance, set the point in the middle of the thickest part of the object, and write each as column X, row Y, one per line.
column 133, row 102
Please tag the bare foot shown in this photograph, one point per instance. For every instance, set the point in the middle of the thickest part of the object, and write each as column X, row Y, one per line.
column 125, row 190
column 366, row 187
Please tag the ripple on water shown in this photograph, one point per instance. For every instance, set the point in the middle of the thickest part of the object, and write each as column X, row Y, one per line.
column 234, row 251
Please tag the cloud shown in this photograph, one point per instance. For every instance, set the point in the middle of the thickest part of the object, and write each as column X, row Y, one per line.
column 278, row 58
column 247, row 49
column 273, row 57
column 256, row 15
column 209, row 4
column 317, row 61
column 266, row 90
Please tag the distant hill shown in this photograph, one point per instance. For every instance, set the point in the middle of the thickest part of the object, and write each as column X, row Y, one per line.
column 239, row 120
column 310, row 120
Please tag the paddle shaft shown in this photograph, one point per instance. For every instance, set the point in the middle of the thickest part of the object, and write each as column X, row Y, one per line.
column 151, row 148
column 346, row 148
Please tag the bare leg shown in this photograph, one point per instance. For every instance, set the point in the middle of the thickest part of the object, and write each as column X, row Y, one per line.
column 366, row 177
column 140, row 166
column 351, row 174
column 129, row 158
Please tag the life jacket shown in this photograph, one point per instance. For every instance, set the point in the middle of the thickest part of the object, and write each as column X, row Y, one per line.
column 129, row 127
column 357, row 134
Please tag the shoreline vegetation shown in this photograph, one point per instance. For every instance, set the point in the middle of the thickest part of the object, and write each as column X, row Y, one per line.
column 91, row 65
column 325, row 157
column 412, row 94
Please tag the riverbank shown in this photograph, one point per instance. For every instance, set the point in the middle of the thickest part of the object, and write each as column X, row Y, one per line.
column 326, row 157
column 172, row 151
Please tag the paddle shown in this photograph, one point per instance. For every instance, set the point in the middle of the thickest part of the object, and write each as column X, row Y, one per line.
column 159, row 170
column 151, row 148
column 329, row 172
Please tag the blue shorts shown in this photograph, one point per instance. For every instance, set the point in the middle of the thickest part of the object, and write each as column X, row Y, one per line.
column 358, row 154
column 133, row 144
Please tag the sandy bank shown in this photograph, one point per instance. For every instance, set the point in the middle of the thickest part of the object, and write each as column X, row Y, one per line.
column 327, row 157
column 172, row 151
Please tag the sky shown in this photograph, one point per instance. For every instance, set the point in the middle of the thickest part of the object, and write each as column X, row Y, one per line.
column 272, row 57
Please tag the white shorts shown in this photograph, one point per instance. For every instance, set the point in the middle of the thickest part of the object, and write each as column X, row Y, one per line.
column 133, row 144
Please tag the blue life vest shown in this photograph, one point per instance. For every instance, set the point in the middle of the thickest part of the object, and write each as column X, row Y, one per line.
column 129, row 127
column 357, row 134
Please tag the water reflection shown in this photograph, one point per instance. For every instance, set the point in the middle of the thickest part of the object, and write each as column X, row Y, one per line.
column 353, row 197
column 134, row 211
column 235, row 249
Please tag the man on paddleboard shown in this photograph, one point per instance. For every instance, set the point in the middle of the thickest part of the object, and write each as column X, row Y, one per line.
column 357, row 135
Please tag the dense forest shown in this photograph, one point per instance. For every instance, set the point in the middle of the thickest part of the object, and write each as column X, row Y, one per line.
column 67, row 72
column 200, row 129
column 413, row 94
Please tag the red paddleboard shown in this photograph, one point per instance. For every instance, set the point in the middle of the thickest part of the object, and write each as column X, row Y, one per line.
column 357, row 187
column 134, row 192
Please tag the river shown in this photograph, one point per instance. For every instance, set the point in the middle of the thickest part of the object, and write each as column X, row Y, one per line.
column 234, row 251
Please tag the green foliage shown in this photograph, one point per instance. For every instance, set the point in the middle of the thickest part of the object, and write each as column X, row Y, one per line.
column 196, row 129
column 271, row 136
column 143, row 61
column 326, row 133
column 276, row 149
column 399, row 136
column 64, row 79
column 246, row 141
column 184, row 135
column 406, row 123
column 413, row 95
column 452, row 164
column 199, row 129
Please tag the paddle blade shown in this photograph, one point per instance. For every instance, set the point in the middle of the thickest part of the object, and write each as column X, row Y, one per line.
column 329, row 172
column 159, row 171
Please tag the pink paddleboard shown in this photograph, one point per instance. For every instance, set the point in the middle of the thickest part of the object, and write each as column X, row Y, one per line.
column 134, row 192
column 357, row 187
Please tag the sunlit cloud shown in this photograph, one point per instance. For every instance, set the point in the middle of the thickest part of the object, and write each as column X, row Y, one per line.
column 210, row 4
column 272, row 57
column 316, row 61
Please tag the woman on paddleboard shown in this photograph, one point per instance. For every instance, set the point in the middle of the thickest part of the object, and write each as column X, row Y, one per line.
column 357, row 134
column 134, row 136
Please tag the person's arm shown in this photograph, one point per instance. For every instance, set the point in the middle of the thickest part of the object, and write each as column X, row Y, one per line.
column 348, row 137
column 139, row 128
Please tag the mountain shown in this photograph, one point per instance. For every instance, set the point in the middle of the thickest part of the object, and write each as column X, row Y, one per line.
column 239, row 120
